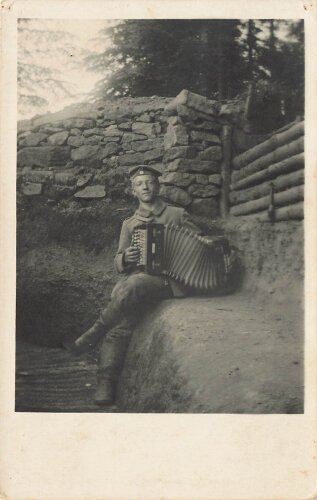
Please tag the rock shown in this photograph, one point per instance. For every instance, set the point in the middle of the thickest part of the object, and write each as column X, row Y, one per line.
column 49, row 129
column 110, row 149
column 43, row 156
column 196, row 166
column 190, row 115
column 203, row 191
column 145, row 117
column 111, row 139
column 144, row 145
column 116, row 176
column 176, row 135
column 207, row 125
column 132, row 159
column 75, row 131
column 91, row 192
column 154, row 154
column 174, row 120
column 59, row 138
column 129, row 137
column 93, row 140
column 207, row 207
column 65, row 179
column 112, row 131
column 86, row 155
column 194, row 101
column 200, row 135
column 202, row 179
column 112, row 162
column 82, row 123
column 215, row 179
column 83, row 180
column 22, row 135
column 34, row 139
column 57, row 193
column 93, row 131
column 179, row 152
column 211, row 153
column 32, row 188
column 38, row 175
column 199, row 146
column 148, row 129
column 178, row 179
column 125, row 126
column 75, row 141
column 175, row 195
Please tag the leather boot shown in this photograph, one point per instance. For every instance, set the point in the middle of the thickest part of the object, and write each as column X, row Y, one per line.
column 87, row 341
column 112, row 354
column 105, row 392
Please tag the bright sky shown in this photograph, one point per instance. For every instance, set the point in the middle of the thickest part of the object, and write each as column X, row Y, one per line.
column 82, row 80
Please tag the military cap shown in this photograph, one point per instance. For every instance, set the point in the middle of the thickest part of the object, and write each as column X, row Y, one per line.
column 143, row 170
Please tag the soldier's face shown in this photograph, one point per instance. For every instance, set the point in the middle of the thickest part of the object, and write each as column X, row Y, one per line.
column 145, row 188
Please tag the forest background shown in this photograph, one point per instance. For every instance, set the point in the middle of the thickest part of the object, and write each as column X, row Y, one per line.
column 66, row 61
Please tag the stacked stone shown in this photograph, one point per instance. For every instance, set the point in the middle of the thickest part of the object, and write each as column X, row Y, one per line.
column 88, row 156
column 193, row 154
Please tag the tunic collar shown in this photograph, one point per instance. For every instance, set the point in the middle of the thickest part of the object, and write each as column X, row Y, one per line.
column 159, row 208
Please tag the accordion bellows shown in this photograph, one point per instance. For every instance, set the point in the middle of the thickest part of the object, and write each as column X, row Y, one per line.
column 198, row 262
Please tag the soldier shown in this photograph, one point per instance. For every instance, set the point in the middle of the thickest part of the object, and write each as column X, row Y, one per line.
column 136, row 290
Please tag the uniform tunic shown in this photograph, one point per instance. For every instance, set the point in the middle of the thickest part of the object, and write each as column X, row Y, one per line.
column 162, row 214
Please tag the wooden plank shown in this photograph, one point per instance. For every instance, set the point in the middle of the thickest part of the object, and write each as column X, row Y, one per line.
column 269, row 145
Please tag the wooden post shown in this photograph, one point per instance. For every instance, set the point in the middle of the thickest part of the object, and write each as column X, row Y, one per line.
column 225, row 170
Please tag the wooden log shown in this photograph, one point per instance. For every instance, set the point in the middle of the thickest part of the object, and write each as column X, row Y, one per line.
column 269, row 145
column 288, row 165
column 285, row 127
column 279, row 154
column 287, row 197
column 290, row 212
column 280, row 183
column 225, row 170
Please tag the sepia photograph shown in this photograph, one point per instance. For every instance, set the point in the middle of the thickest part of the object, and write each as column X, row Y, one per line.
column 160, row 193
column 158, row 250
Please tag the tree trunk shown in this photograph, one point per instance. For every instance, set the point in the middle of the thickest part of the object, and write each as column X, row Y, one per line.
column 280, row 183
column 288, row 165
column 269, row 145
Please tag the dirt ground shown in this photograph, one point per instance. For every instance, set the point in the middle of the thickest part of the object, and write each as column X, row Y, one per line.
column 238, row 357
column 245, row 348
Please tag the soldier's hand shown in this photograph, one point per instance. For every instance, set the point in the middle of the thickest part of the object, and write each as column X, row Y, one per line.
column 131, row 254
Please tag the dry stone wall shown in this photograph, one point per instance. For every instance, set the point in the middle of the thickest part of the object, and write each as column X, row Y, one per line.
column 85, row 151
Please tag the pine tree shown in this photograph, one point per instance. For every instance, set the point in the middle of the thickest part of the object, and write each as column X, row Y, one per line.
column 163, row 57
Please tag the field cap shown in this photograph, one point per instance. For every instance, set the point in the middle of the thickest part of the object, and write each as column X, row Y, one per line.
column 143, row 170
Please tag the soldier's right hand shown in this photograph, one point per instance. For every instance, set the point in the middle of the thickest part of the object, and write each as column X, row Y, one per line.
column 131, row 255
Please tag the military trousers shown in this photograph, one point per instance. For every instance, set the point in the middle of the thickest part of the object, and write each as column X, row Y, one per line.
column 132, row 296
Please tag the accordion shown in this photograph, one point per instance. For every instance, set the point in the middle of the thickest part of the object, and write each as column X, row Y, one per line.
column 200, row 262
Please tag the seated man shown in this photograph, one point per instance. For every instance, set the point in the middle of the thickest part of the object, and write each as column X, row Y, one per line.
column 136, row 290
